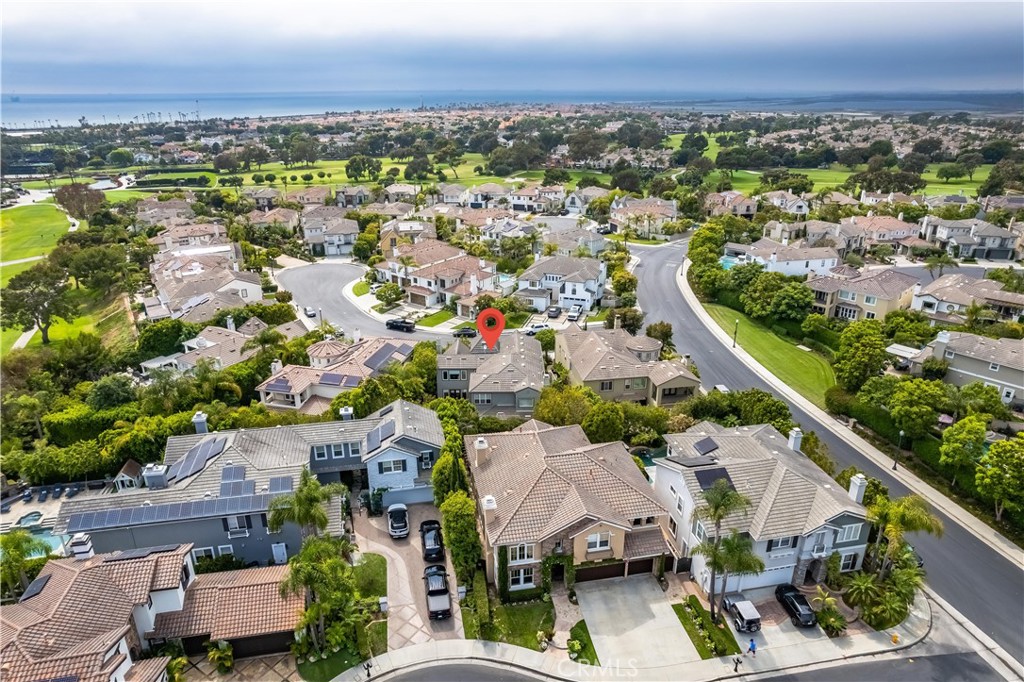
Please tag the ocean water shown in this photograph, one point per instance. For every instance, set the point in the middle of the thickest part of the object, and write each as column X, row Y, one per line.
column 26, row 110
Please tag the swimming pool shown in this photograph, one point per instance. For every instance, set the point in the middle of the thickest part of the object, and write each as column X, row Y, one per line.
column 30, row 519
column 56, row 542
column 728, row 261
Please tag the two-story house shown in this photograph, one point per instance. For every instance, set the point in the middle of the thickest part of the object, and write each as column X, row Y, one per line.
column 284, row 217
column 311, row 196
column 787, row 201
column 621, row 367
column 265, row 198
column 225, row 346
column 970, row 238
column 881, row 229
column 786, row 259
column 488, row 195
column 797, row 516
column 546, row 491
column 214, row 489
column 564, row 281
column 327, row 232
column 847, row 294
column 730, row 202
column 394, row 232
column 507, row 378
column 576, row 202
column 971, row 358
column 646, row 216
column 453, row 194
column 354, row 196
column 816, row 233
column 947, row 299
column 401, row 191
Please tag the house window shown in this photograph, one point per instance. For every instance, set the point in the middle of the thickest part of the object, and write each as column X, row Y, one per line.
column 525, row 403
column 672, row 526
column 225, row 549
column 337, row 451
column 597, row 542
column 520, row 553
column 520, row 578
column 426, row 458
column 870, row 300
column 199, row 552
column 666, row 392
column 606, row 385
column 994, row 366
column 637, row 522
column 639, row 382
column 481, row 398
column 353, row 449
column 869, row 315
column 784, row 543
column 236, row 522
column 949, row 354
column 391, row 466
column 672, row 489
column 679, row 505
column 850, row 532
column 849, row 562
column 649, row 521
column 319, row 452
column 698, row 532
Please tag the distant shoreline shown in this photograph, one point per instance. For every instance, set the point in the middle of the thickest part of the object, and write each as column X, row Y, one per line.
column 19, row 110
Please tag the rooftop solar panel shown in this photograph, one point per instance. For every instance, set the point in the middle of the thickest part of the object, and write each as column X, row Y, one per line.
column 35, row 587
column 380, row 358
column 707, row 477
column 386, row 410
column 350, row 381
column 234, row 505
column 387, row 429
column 373, row 440
column 331, row 379
column 150, row 514
column 404, row 349
column 233, row 473
column 705, row 446
column 248, row 487
column 280, row 484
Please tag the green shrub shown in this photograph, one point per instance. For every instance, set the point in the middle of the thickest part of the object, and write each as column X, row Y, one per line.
column 876, row 419
column 525, row 595
column 838, row 400
column 730, row 299
column 790, row 328
column 819, row 347
column 480, row 597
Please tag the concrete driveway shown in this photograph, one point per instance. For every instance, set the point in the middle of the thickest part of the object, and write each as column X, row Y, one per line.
column 408, row 621
column 777, row 629
column 632, row 623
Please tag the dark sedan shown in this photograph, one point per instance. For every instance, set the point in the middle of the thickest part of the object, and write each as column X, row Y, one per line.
column 464, row 332
column 401, row 325
column 433, row 543
column 796, row 606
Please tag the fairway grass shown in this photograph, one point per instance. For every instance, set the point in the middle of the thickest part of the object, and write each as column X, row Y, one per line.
column 804, row 371
column 32, row 230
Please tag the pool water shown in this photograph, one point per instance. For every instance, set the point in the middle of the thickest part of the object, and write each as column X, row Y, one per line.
column 30, row 519
column 56, row 542
column 728, row 261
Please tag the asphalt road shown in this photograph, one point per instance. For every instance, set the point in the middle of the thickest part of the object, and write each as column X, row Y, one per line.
column 980, row 583
column 459, row 672
column 965, row 667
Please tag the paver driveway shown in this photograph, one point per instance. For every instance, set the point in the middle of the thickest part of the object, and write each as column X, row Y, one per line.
column 633, row 624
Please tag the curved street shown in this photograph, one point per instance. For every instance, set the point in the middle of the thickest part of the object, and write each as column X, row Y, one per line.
column 979, row 582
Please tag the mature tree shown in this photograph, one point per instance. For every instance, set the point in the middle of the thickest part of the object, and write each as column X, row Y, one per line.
column 1000, row 474
column 546, row 337
column 448, row 476
column 758, row 297
column 17, row 546
column 950, row 171
column 163, row 337
column 28, row 408
column 390, row 293
column 662, row 331
column 324, row 578
column 629, row 319
column 624, row 281
column 816, row 451
column 562, row 406
column 306, row 506
column 862, row 591
column 450, row 155
column 742, row 276
column 225, row 161
column 792, row 302
column 970, row 162
column 556, row 176
column 738, row 558
column 720, row 501
column 878, row 390
column 913, row 163
column 37, row 298
column 78, row 200
column 265, row 339
column 121, row 158
column 976, row 398
column 895, row 517
column 360, row 165
column 963, row 444
column 861, row 354
column 604, row 423
column 458, row 522
column 110, row 391
column 98, row 267
column 914, row 406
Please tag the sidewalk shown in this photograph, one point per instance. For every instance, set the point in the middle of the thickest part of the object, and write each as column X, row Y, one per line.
column 366, row 302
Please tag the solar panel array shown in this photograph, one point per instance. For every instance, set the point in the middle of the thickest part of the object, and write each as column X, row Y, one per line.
column 236, row 488
column 405, row 349
column 280, row 384
column 387, row 429
column 373, row 440
column 35, row 587
column 350, row 381
column 196, row 458
column 280, row 484
column 140, row 553
column 705, row 446
column 380, row 358
column 707, row 477
column 331, row 379
column 174, row 511
column 386, row 410
column 233, row 473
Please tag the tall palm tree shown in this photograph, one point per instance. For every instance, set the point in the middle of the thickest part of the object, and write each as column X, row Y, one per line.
column 17, row 546
column 905, row 581
column 939, row 262
column 210, row 381
column 894, row 518
column 319, row 573
column 264, row 339
column 976, row 315
column 406, row 262
column 306, row 506
column 738, row 558
column 720, row 501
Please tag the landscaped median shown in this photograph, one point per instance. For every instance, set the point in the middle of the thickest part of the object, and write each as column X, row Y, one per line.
column 709, row 639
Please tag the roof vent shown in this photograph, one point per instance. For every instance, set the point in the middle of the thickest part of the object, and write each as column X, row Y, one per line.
column 147, row 503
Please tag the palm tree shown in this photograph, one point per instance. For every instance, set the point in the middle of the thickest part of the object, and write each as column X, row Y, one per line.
column 720, row 501
column 320, row 574
column 17, row 546
column 823, row 599
column 209, row 381
column 896, row 517
column 862, row 591
column 940, row 262
column 406, row 262
column 977, row 314
column 264, row 339
column 306, row 507
column 738, row 558
column 906, row 581
column 888, row 610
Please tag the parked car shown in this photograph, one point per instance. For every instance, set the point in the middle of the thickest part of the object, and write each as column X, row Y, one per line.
column 43, row 494
column 537, row 327
column 401, row 325
column 439, row 599
column 375, row 287
column 433, row 543
column 310, row 311
column 796, row 606
column 575, row 313
column 58, row 490
column 745, row 617
column 721, row 388
column 398, row 521
column 908, row 549
column 554, row 312
column 72, row 491
column 464, row 333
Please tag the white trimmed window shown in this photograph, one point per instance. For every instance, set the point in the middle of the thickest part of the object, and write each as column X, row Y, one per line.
column 994, row 366
column 849, row 562
column 950, row 354
column 199, row 552
column 520, row 553
column 850, row 532
column 319, row 452
column 639, row 382
column 672, row 526
column 870, row 300
column 391, row 466
column 783, row 543
column 520, row 578
column 482, row 398
column 597, row 542
column 225, row 549
column 606, row 385
column 698, row 532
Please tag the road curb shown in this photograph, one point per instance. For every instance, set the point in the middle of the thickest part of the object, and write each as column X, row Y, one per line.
column 954, row 511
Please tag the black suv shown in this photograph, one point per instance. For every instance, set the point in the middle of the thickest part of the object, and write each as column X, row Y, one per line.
column 464, row 332
column 433, row 543
column 796, row 606
column 401, row 325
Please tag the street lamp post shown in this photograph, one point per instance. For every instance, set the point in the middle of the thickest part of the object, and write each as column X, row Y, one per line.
column 735, row 333
column 895, row 457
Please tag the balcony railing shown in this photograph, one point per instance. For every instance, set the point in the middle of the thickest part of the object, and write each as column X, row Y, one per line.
column 238, row 533
column 818, row 550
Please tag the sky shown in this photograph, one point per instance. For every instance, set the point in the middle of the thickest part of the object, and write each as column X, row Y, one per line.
column 735, row 48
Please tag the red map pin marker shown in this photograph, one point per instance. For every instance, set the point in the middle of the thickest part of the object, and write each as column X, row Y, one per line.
column 490, row 322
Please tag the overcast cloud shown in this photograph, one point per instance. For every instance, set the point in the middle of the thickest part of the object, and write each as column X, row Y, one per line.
column 155, row 46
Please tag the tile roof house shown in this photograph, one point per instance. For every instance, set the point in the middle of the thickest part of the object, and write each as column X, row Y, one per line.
column 576, row 241
column 576, row 202
column 797, row 516
column 1008, row 202
column 437, row 273
column 336, row 367
column 867, row 296
column 224, row 346
column 817, row 233
column 730, row 202
column 310, row 196
column 646, row 216
column 186, row 283
column 784, row 258
column 874, row 198
column 353, row 197
column 327, row 231
column 787, row 201
column 564, row 281
column 547, row 491
column 214, row 489
column 263, row 197
column 505, row 379
column 971, row 238
column 881, row 229
column 277, row 216
column 488, row 195
column 395, row 209
column 621, row 367
column 191, row 235
column 394, row 231
column 948, row 297
column 972, row 358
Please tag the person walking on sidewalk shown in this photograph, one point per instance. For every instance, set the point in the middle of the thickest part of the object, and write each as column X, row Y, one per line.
column 752, row 649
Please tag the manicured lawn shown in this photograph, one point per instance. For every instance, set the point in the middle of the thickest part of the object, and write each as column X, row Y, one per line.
column 382, row 308
column 616, row 237
column 117, row 196
column 361, row 289
column 588, row 655
column 377, row 637
column 436, row 318
column 28, row 231
column 371, row 576
column 720, row 636
column 600, row 316
column 463, row 325
column 516, row 320
column 8, row 271
column 805, row 371
column 328, row 668
column 7, row 339
column 518, row 623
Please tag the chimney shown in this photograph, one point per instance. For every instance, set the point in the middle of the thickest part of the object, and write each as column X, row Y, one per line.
column 917, row 289
column 785, row 241
column 275, row 366
column 199, row 421
column 230, row 323
column 941, row 340
column 81, row 546
column 346, row 413
column 357, row 335
column 480, row 450
column 235, row 266
column 900, row 217
column 155, row 476
column 547, row 379
column 858, row 484
column 490, row 506
column 796, row 437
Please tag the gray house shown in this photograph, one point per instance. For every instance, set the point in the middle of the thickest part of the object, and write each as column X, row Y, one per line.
column 507, row 379
column 972, row 358
column 214, row 489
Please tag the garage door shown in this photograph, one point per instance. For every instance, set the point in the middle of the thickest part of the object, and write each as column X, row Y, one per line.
column 638, row 566
column 614, row 570
column 262, row 645
column 408, row 496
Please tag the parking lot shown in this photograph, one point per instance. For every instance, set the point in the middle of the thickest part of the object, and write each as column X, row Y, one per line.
column 408, row 621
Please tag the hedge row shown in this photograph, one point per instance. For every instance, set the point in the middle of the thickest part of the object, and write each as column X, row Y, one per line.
column 481, row 598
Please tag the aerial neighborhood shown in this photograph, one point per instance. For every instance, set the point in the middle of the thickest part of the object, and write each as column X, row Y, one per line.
column 753, row 372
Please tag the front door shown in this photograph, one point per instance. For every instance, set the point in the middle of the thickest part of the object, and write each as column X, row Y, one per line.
column 280, row 552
